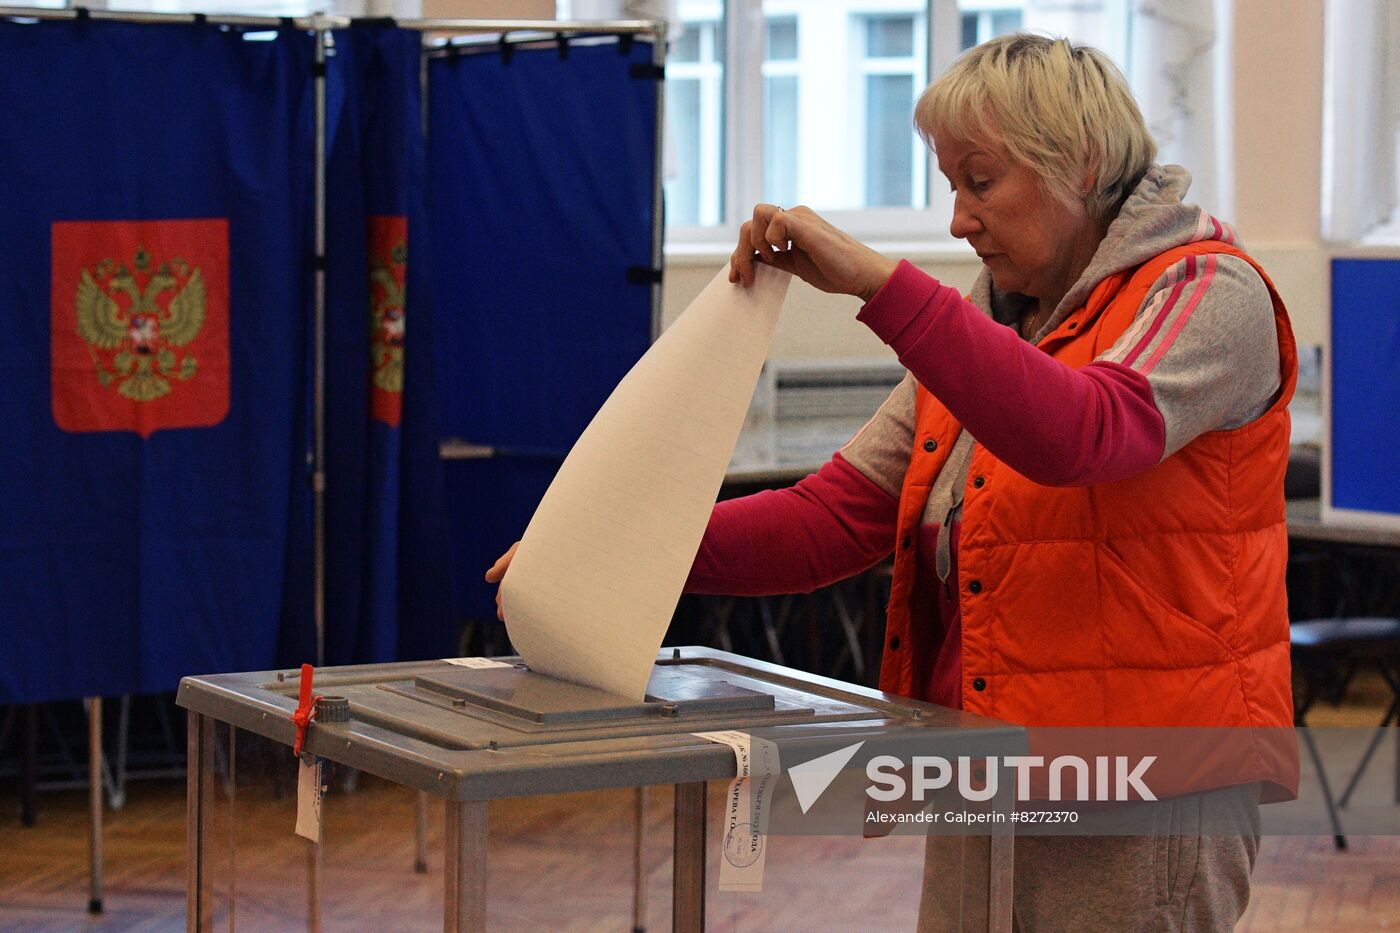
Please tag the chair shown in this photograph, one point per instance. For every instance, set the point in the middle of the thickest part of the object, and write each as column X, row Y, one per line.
column 1327, row 653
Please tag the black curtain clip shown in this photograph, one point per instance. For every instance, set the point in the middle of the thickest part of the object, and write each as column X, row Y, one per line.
column 625, row 43
column 563, row 42
column 507, row 50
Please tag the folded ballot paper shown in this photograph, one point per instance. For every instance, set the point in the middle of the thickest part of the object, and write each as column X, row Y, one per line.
column 599, row 571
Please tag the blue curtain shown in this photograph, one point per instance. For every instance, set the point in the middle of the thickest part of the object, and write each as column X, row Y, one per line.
column 542, row 164
column 154, row 285
column 384, row 486
column 155, row 272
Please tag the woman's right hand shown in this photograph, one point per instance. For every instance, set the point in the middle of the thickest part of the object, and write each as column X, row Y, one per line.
column 800, row 241
column 497, row 573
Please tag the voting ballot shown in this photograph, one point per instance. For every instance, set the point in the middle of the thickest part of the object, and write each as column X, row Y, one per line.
column 601, row 565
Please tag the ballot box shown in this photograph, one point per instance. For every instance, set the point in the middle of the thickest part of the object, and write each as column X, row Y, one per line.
column 475, row 730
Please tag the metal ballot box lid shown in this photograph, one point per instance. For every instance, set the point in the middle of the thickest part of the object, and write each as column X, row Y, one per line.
column 503, row 731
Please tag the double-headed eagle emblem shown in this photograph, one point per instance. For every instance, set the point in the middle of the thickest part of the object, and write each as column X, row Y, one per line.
column 134, row 319
column 386, row 311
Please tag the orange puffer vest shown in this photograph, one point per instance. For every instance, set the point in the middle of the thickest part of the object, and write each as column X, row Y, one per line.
column 1156, row 600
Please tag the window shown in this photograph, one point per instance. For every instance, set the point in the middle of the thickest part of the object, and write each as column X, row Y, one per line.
column 980, row 25
column 694, row 105
column 1361, row 125
column 892, row 70
column 780, row 108
column 832, row 126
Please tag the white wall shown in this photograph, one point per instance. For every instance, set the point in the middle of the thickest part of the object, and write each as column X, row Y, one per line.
column 1278, row 151
column 482, row 9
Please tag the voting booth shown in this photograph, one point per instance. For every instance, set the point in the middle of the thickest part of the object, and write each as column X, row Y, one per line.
column 476, row 730
column 248, row 317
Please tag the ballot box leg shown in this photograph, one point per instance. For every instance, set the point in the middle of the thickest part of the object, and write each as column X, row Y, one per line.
column 639, row 870
column 688, row 877
column 29, row 768
column 464, row 867
column 232, row 825
column 313, row 887
column 199, row 788
column 94, row 709
column 999, row 878
column 420, row 834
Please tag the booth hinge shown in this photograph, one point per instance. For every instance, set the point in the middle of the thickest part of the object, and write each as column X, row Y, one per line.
column 646, row 71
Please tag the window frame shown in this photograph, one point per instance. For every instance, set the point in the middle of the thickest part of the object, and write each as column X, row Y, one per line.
column 865, row 66
column 744, row 36
column 705, row 73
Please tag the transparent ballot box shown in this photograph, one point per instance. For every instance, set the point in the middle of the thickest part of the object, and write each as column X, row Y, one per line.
column 413, row 755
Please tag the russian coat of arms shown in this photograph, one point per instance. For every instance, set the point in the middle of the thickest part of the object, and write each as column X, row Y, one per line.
column 139, row 324
column 137, row 318
column 388, row 271
column 386, row 318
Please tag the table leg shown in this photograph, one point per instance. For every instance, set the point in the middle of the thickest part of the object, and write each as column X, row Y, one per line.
column 688, row 877
column 232, row 823
column 94, row 707
column 29, row 767
column 420, row 834
column 639, row 870
column 313, row 885
column 199, row 787
column 464, row 867
column 999, row 880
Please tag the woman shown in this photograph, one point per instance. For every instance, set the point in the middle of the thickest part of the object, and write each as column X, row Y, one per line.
column 1081, row 478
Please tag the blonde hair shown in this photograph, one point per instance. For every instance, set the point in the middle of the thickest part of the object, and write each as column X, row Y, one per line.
column 1063, row 110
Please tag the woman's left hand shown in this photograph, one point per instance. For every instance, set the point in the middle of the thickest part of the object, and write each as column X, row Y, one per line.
column 801, row 242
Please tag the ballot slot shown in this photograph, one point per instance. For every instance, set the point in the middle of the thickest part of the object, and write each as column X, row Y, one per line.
column 672, row 692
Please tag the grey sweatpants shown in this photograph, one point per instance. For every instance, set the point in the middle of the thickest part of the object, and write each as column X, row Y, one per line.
column 1069, row 884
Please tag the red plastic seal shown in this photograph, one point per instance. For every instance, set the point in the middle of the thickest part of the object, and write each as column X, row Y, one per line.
column 306, row 708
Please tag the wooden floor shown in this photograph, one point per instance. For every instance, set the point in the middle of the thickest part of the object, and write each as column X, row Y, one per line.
column 560, row 863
